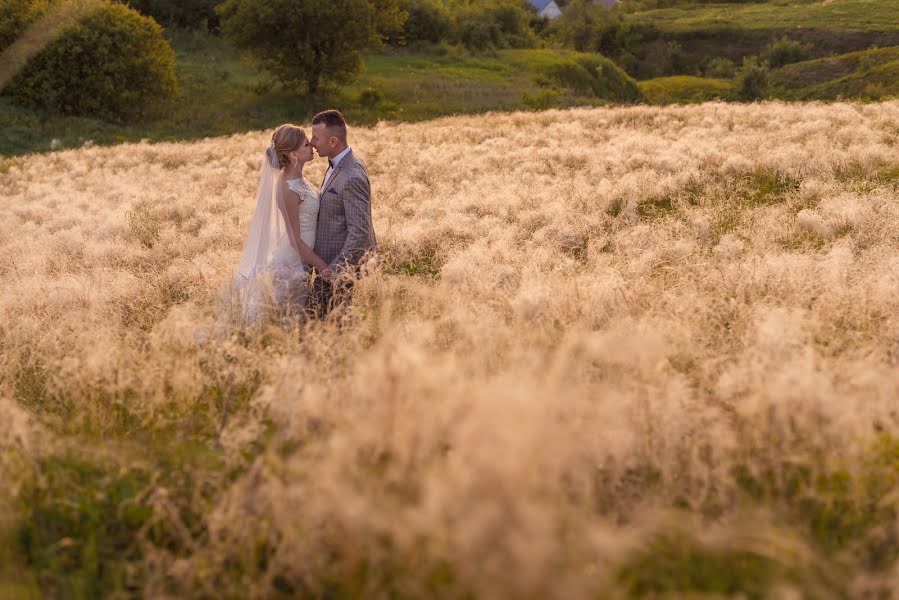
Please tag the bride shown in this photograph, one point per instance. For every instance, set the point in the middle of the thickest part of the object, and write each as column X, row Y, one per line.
column 271, row 279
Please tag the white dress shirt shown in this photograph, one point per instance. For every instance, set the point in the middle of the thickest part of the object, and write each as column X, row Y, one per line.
column 334, row 162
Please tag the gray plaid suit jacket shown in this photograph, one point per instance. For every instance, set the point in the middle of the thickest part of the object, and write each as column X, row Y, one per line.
column 345, row 231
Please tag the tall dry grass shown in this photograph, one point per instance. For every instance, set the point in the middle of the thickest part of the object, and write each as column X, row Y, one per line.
column 609, row 351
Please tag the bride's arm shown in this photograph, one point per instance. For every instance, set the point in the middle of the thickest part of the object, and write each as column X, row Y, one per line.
column 290, row 211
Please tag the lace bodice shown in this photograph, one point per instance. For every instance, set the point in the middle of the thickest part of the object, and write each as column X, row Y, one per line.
column 308, row 208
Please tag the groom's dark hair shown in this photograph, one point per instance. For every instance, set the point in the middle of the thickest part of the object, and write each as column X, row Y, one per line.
column 333, row 120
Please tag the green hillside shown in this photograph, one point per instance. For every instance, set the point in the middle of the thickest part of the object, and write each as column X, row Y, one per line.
column 844, row 15
column 868, row 75
column 681, row 40
column 221, row 93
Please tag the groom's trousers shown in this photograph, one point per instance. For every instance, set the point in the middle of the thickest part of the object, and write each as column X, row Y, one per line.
column 328, row 295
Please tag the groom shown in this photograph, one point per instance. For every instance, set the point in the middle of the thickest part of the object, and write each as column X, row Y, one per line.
column 345, row 232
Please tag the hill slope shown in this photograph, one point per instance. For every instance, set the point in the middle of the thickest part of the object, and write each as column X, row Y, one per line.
column 867, row 74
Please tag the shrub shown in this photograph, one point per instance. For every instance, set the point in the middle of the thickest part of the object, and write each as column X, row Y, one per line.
column 589, row 27
column 16, row 15
column 720, row 67
column 675, row 59
column 428, row 21
column 370, row 97
column 752, row 79
column 685, row 89
column 491, row 25
column 114, row 64
column 545, row 99
column 595, row 76
column 189, row 14
column 786, row 51
column 582, row 25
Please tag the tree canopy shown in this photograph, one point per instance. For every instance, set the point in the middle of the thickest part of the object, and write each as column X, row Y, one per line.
column 310, row 42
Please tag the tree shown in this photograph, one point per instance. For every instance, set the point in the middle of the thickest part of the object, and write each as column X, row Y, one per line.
column 582, row 25
column 112, row 63
column 190, row 14
column 390, row 19
column 304, row 42
column 752, row 79
column 429, row 21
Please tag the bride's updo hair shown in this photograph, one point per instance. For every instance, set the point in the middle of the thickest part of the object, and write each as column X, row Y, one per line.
column 286, row 138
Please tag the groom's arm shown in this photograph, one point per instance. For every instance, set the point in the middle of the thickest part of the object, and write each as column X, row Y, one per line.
column 357, row 207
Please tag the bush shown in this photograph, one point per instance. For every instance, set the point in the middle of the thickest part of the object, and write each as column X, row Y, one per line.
column 544, row 100
column 723, row 68
column 595, row 76
column 582, row 25
column 685, row 89
column 114, row 64
column 786, row 51
column 16, row 16
column 590, row 27
column 189, row 14
column 491, row 25
column 370, row 97
column 675, row 59
column 752, row 79
column 428, row 21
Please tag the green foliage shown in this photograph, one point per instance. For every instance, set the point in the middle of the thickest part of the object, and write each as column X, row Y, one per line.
column 846, row 15
column 769, row 186
column 685, row 89
column 428, row 21
column 492, row 25
column 189, row 14
column 594, row 75
column 371, row 97
column 866, row 75
column 390, row 19
column 586, row 26
column 721, row 68
column 752, row 79
column 836, row 508
column 545, row 99
column 114, row 64
column 16, row 16
column 675, row 564
column 309, row 42
column 423, row 263
column 675, row 60
column 785, row 51
column 583, row 25
column 222, row 94
column 80, row 526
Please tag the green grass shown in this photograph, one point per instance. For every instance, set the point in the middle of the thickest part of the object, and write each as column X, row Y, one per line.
column 418, row 87
column 685, row 89
column 845, row 15
column 89, row 509
column 868, row 75
column 702, row 31
column 221, row 93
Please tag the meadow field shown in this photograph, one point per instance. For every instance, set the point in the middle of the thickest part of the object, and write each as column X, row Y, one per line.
column 607, row 352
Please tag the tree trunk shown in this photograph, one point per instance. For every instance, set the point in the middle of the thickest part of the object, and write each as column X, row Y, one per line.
column 315, row 74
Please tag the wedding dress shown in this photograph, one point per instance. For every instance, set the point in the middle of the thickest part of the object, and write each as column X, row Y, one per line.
column 270, row 279
column 289, row 276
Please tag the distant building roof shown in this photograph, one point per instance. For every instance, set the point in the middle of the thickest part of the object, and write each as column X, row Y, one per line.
column 540, row 4
column 546, row 8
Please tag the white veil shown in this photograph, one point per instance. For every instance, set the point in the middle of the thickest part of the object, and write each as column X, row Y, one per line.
column 253, row 280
